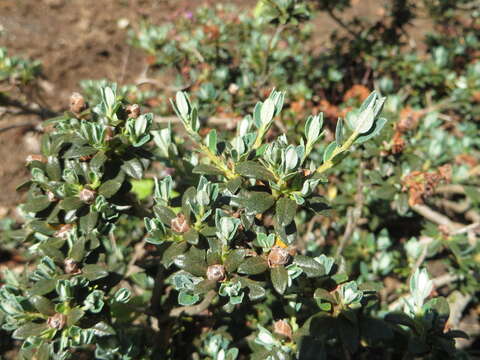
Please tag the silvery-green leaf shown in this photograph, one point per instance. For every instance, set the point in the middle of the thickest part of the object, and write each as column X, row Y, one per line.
column 182, row 104
column 291, row 158
column 267, row 111
column 109, row 96
column 212, row 141
column 313, row 127
column 365, row 119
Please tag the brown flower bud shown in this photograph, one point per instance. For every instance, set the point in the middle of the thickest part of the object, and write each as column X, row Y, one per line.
column 36, row 157
column 133, row 111
column 179, row 224
column 77, row 103
column 63, row 231
column 233, row 88
column 87, row 196
column 71, row 266
column 57, row 321
column 216, row 272
column 51, row 196
column 282, row 328
column 278, row 256
column 108, row 133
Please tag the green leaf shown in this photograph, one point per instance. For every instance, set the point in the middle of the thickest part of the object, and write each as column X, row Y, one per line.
column 71, row 203
column 76, row 152
column 339, row 132
column 439, row 305
column 53, row 169
column 322, row 294
column 98, row 160
column 78, row 250
column 103, row 329
column 207, row 170
column 29, row 329
column 234, row 184
column 234, row 259
column 43, row 352
column 258, row 201
column 309, row 266
column 36, row 204
column 256, row 288
column 42, row 287
column 182, row 103
column 74, row 316
column 191, row 236
column 111, row 187
column 165, row 214
column 43, row 305
column 193, row 261
column 267, row 111
column 133, row 168
column 279, row 277
column 94, row 272
column 400, row 319
column 472, row 193
column 285, row 210
column 212, row 141
column 374, row 131
column 186, row 299
column 329, row 151
column 253, row 266
column 89, row 221
column 254, row 170
column 174, row 250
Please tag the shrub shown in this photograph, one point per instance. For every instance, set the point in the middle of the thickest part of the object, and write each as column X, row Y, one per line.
column 227, row 245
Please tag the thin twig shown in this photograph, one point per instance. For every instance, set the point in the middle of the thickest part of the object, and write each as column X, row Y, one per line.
column 436, row 217
column 340, row 22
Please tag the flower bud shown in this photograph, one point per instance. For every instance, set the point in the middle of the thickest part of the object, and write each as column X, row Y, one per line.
column 57, row 321
column 133, row 111
column 71, row 266
column 179, row 224
column 77, row 103
column 216, row 272
column 278, row 256
column 233, row 88
column 63, row 231
column 87, row 196
column 51, row 196
column 282, row 328
column 108, row 133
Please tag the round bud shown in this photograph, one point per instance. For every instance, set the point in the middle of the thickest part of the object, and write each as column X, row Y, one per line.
column 77, row 103
column 179, row 224
column 63, row 231
column 278, row 256
column 216, row 272
column 133, row 111
column 51, row 196
column 87, row 196
column 71, row 266
column 108, row 133
column 282, row 328
column 233, row 88
column 57, row 321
